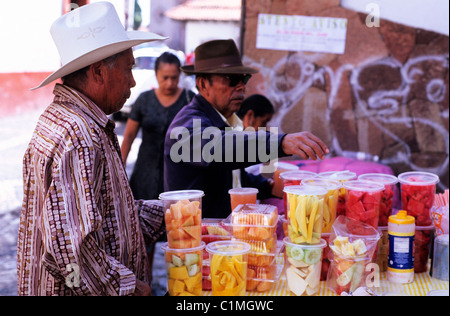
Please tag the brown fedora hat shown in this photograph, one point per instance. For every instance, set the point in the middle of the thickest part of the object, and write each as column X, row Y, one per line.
column 217, row 57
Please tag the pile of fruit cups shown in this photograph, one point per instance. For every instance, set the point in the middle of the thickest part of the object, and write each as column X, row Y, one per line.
column 304, row 246
column 342, row 177
column 184, row 247
column 256, row 225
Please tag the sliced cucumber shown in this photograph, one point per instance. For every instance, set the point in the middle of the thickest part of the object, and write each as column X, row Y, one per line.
column 295, row 253
column 177, row 261
column 191, row 258
column 312, row 256
column 192, row 270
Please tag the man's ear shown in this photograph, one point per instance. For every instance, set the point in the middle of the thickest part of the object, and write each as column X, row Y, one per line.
column 97, row 72
column 201, row 83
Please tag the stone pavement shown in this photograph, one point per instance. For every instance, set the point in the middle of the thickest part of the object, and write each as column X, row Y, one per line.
column 16, row 132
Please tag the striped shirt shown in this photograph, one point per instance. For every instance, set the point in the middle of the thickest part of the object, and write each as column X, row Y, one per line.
column 81, row 232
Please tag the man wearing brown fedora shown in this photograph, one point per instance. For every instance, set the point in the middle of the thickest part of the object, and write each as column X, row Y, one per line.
column 204, row 143
column 81, row 231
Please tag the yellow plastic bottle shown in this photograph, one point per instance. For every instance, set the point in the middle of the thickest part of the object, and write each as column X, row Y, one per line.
column 401, row 231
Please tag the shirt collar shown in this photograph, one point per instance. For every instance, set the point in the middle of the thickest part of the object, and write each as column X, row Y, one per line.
column 233, row 121
column 66, row 93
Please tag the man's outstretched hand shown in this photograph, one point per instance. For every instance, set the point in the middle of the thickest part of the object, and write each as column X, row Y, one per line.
column 305, row 145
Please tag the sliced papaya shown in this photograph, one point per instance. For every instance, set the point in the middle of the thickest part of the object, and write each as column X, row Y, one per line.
column 194, row 231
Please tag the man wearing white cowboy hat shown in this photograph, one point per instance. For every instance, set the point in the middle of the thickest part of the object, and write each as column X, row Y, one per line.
column 202, row 147
column 81, row 232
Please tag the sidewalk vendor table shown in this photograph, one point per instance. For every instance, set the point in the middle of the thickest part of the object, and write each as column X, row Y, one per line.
column 423, row 283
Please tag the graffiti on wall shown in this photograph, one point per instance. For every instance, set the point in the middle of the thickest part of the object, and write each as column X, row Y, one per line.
column 382, row 101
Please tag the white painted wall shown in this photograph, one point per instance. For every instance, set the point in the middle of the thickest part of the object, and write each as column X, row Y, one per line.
column 200, row 32
column 432, row 15
column 26, row 43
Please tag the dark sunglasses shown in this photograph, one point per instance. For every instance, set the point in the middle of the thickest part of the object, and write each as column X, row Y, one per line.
column 234, row 80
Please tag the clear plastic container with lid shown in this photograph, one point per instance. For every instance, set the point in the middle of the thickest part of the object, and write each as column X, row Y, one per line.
column 330, row 201
column 183, row 217
column 387, row 196
column 417, row 194
column 401, row 231
column 253, row 222
column 228, row 267
column 184, row 270
column 303, row 264
column 242, row 196
column 305, row 213
column 277, row 181
column 341, row 176
column 363, row 200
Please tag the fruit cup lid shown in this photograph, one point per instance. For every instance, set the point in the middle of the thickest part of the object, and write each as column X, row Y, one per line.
column 322, row 244
column 181, row 195
column 305, row 190
column 339, row 175
column 243, row 191
column 228, row 247
column 365, row 186
column 322, row 182
column 297, row 175
column 386, row 179
column 418, row 178
column 165, row 247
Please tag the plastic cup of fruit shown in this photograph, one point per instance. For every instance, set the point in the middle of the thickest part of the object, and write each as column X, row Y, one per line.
column 303, row 264
column 387, row 196
column 183, row 218
column 228, row 262
column 295, row 177
column 277, row 181
column 363, row 200
column 305, row 213
column 330, row 201
column 423, row 238
column 417, row 193
column 341, row 176
column 184, row 270
column 242, row 196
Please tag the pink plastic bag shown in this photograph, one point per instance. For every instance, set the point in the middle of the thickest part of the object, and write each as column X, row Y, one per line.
column 352, row 245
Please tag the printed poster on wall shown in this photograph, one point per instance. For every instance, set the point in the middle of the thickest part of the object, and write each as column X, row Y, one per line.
column 301, row 33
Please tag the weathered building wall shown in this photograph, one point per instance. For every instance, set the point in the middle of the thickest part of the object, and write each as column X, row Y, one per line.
column 387, row 95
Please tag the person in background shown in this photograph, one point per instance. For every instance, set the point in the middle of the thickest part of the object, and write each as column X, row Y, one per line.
column 153, row 111
column 256, row 111
column 203, row 144
column 81, row 232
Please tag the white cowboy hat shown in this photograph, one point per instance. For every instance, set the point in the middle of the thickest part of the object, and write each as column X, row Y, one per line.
column 90, row 34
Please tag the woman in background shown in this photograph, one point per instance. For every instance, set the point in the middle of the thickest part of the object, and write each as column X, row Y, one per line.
column 154, row 110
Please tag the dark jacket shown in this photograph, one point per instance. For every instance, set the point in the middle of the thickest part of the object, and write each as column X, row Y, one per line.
column 201, row 153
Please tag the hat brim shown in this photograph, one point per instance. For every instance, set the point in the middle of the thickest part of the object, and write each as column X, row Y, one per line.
column 134, row 38
column 242, row 70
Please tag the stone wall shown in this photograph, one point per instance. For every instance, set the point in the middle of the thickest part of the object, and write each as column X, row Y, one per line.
column 387, row 95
